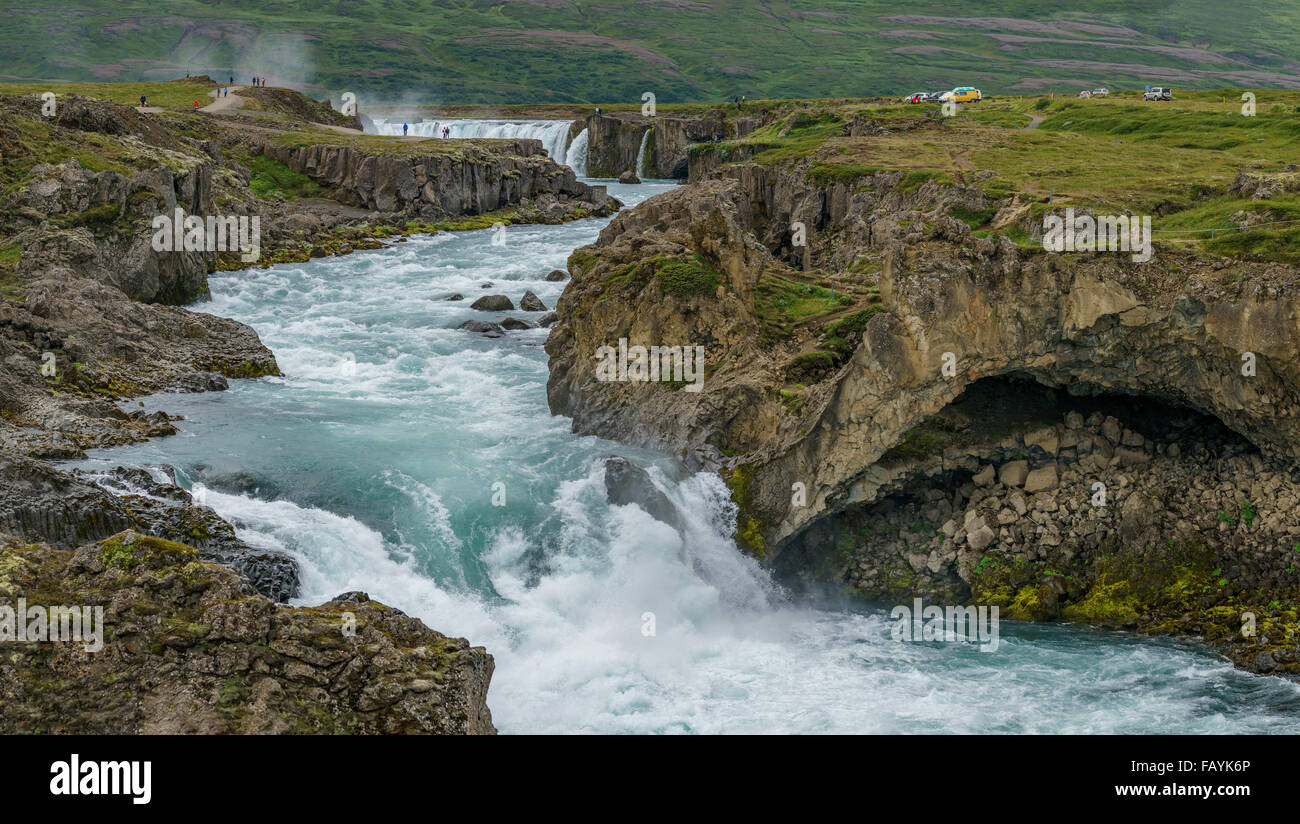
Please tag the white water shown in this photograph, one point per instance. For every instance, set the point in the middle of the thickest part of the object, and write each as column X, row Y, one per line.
column 576, row 157
column 640, row 154
column 554, row 134
column 381, row 478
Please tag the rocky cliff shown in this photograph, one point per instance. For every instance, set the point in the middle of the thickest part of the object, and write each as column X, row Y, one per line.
column 614, row 140
column 836, row 371
column 443, row 179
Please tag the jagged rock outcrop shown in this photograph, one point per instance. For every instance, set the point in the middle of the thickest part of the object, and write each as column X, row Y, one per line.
column 614, row 140
column 826, row 420
column 64, row 510
column 1168, row 328
column 76, row 223
column 470, row 177
column 187, row 648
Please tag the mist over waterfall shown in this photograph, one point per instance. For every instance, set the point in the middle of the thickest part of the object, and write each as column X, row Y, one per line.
column 554, row 134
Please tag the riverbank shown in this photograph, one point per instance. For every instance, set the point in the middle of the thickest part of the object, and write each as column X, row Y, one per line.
column 83, row 276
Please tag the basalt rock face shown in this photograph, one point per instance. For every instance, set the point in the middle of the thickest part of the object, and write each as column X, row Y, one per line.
column 188, row 648
column 478, row 176
column 64, row 510
column 814, row 420
column 614, row 140
column 76, row 223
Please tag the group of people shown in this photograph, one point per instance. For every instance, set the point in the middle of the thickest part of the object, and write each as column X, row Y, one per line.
column 257, row 81
column 446, row 130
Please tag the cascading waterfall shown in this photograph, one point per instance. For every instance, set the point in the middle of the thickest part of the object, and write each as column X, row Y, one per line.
column 554, row 134
column 640, row 154
column 576, row 157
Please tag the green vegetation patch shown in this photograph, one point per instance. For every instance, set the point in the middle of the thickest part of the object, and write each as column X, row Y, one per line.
column 273, row 180
column 782, row 303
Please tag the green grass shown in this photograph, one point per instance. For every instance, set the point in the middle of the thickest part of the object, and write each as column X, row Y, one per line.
column 683, row 277
column 782, row 303
column 613, row 50
column 168, row 95
column 839, row 172
column 272, row 179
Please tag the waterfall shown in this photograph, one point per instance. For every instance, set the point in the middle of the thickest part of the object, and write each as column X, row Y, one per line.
column 576, row 157
column 640, row 153
column 554, row 134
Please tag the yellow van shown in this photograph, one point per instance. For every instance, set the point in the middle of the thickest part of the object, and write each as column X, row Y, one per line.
column 962, row 94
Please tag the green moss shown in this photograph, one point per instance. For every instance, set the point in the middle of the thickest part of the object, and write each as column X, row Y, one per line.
column 839, row 172
column 272, row 179
column 749, row 530
column 974, row 218
column 782, row 303
column 684, row 278
column 153, row 553
column 1108, row 603
column 809, row 367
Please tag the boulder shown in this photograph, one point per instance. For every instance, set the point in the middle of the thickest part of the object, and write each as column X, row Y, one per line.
column 493, row 303
column 1013, row 473
column 1043, row 479
column 531, row 303
column 488, row 330
column 629, row 177
column 548, row 319
column 627, row 483
column 516, row 323
column 557, row 275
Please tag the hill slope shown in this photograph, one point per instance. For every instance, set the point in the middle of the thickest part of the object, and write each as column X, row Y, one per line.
column 536, row 51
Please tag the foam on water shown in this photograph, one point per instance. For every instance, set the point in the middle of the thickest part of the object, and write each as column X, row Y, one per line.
column 374, row 462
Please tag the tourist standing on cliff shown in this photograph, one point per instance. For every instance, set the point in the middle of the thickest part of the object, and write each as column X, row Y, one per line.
column 403, row 130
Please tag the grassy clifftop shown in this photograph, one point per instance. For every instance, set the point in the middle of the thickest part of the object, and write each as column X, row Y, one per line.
column 613, row 50
column 1208, row 176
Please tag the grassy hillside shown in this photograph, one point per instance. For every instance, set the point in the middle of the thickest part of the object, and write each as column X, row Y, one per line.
column 501, row 51
column 1174, row 161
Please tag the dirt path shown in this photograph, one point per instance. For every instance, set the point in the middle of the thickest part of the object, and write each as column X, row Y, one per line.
column 1034, row 120
column 227, row 103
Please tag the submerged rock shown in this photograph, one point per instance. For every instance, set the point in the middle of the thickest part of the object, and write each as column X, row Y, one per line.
column 627, row 483
column 557, row 275
column 516, row 324
column 487, row 328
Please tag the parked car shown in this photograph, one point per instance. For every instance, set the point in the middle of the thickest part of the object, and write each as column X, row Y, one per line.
column 934, row 97
column 919, row 97
column 1101, row 92
column 1085, row 93
column 962, row 94
column 1158, row 93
